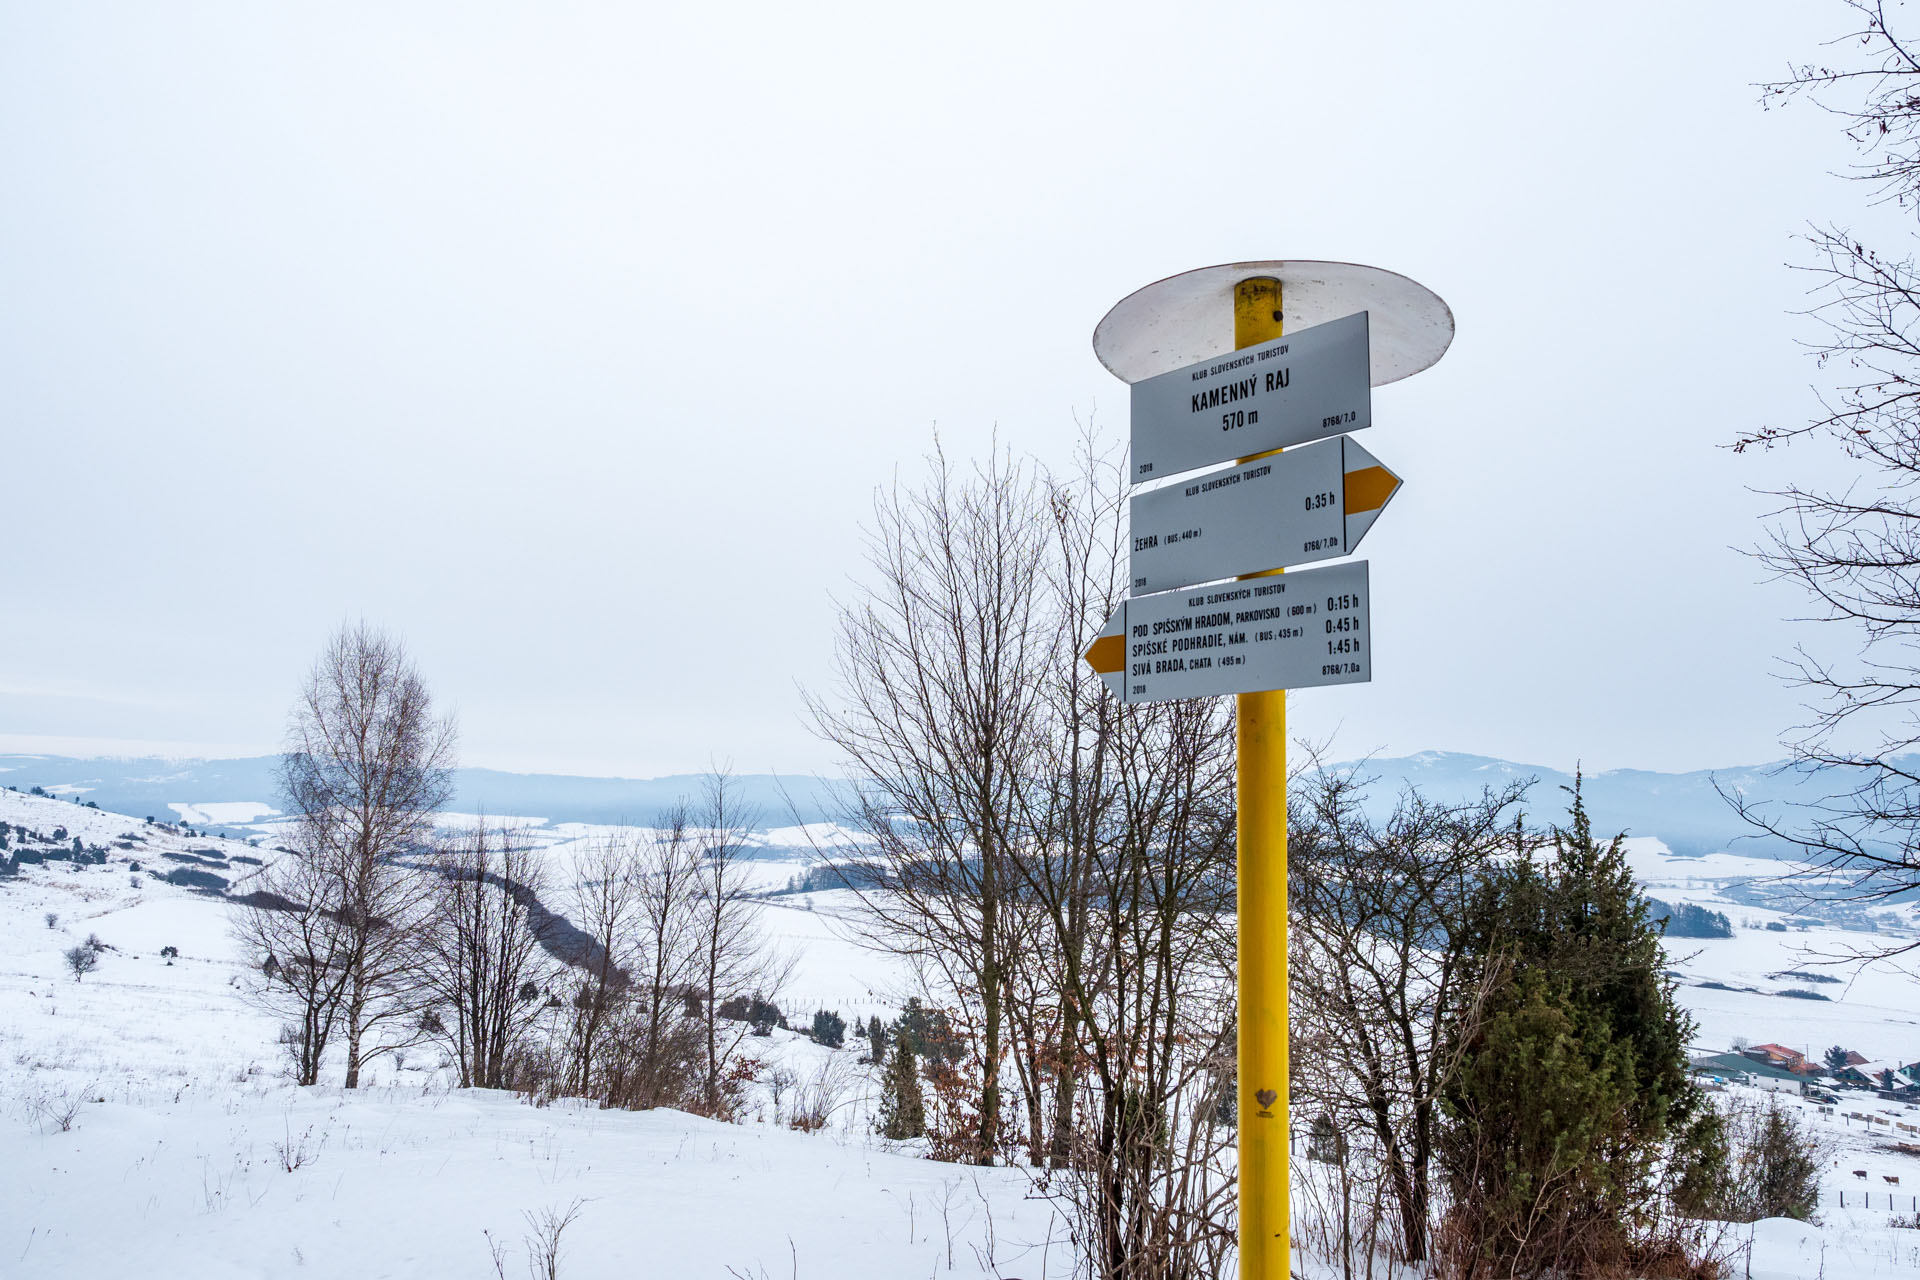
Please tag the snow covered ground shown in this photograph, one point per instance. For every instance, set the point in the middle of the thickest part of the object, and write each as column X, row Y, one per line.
column 145, row 1128
column 258, row 1180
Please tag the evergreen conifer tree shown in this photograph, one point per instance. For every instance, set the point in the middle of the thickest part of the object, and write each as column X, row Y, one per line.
column 1779, row 1174
column 1573, row 1112
column 903, row 1108
column 828, row 1028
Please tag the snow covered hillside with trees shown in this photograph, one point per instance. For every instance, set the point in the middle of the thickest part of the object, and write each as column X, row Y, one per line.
column 149, row 1121
column 149, row 1118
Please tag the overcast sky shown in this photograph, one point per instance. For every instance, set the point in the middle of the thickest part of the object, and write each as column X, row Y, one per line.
column 570, row 342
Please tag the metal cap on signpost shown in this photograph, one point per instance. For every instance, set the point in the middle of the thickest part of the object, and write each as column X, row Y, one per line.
column 1190, row 317
column 1187, row 320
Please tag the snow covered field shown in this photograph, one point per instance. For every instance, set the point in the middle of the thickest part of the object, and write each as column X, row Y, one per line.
column 146, row 1130
column 145, row 1127
column 256, row 1180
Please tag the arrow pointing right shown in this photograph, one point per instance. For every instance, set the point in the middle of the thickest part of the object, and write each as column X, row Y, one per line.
column 1311, row 503
column 1367, row 488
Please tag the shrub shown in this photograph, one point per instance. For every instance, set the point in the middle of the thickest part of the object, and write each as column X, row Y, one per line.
column 293, row 1044
column 829, row 1028
column 756, row 1009
column 930, row 1031
column 195, row 878
column 83, row 960
column 1801, row 993
column 1772, row 1166
column 58, row 1111
column 1325, row 1143
column 903, row 1107
column 1804, row 976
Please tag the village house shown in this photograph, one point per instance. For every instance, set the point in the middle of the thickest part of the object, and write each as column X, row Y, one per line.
column 1888, row 1075
column 1777, row 1055
column 1742, row 1068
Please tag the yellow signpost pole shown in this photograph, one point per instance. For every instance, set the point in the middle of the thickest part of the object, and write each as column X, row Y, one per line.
column 1260, row 793
column 1169, row 329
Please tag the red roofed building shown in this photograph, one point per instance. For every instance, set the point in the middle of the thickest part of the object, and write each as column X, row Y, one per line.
column 1777, row 1055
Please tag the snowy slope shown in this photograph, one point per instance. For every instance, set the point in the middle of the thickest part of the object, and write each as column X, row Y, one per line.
column 181, row 1128
column 397, row 1182
column 171, row 1086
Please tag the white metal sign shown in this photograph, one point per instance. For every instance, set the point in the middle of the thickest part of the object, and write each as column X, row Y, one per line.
column 1290, row 631
column 1306, row 386
column 1307, row 504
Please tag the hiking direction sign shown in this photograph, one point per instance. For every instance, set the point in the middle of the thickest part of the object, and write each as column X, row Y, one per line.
column 1305, row 386
column 1307, row 504
column 1292, row 631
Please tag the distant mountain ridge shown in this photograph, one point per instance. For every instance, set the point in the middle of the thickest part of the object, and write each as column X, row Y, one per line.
column 1682, row 809
column 147, row 786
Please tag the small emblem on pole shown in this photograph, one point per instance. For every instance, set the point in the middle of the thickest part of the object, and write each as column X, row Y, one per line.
column 1266, row 1098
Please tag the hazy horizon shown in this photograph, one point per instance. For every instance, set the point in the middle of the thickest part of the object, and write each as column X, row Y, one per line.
column 522, row 335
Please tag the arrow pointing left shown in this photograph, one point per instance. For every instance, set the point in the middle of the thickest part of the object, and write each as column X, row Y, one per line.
column 1294, row 631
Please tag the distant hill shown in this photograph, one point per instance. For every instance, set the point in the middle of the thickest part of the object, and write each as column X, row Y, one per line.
column 1682, row 809
column 150, row 786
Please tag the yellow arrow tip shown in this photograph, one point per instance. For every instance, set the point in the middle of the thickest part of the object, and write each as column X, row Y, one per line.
column 1369, row 488
column 1107, row 654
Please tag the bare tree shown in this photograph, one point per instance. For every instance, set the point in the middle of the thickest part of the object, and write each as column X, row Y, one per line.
column 1068, row 815
column 1153, row 992
column 1855, row 548
column 660, row 1062
column 606, row 906
column 937, row 713
column 1059, row 865
column 367, row 765
column 732, row 954
column 290, row 928
column 1126, row 871
column 479, row 950
column 82, row 960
